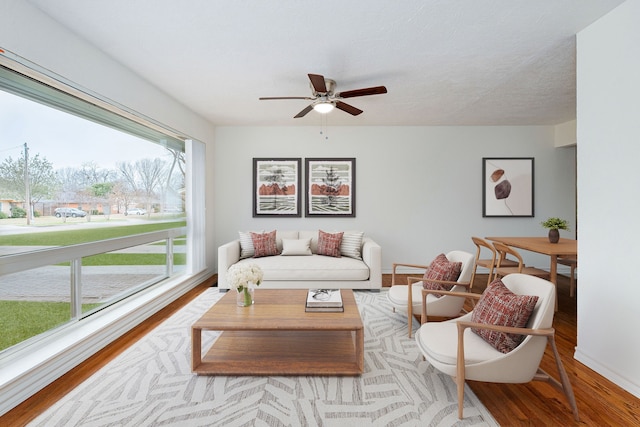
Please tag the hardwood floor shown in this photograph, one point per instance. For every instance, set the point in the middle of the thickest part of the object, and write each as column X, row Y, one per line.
column 600, row 402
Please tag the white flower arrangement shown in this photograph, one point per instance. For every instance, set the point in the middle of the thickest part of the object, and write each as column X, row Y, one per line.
column 240, row 275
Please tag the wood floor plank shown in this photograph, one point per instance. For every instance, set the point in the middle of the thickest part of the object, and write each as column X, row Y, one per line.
column 600, row 402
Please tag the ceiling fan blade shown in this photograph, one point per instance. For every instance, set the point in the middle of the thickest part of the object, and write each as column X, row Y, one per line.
column 267, row 98
column 348, row 108
column 303, row 112
column 378, row 90
column 317, row 81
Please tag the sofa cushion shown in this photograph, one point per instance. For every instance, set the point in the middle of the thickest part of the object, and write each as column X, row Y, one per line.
column 296, row 247
column 315, row 267
column 313, row 235
column 499, row 306
column 441, row 269
column 246, row 244
column 284, row 234
column 329, row 243
column 264, row 244
column 351, row 244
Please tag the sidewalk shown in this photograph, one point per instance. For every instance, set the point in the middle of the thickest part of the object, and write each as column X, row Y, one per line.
column 52, row 283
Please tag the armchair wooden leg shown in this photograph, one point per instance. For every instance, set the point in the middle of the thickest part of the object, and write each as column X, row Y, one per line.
column 564, row 385
column 410, row 308
column 460, row 386
column 564, row 378
column 460, row 371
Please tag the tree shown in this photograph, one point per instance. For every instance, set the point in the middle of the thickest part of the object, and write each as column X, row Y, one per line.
column 96, row 185
column 42, row 178
column 122, row 195
column 175, row 182
column 144, row 176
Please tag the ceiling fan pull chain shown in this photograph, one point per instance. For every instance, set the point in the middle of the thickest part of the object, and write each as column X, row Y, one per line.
column 323, row 125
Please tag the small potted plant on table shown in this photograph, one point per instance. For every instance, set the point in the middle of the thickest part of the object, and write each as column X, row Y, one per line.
column 554, row 224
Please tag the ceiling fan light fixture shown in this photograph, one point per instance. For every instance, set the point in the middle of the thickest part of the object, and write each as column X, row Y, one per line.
column 324, row 107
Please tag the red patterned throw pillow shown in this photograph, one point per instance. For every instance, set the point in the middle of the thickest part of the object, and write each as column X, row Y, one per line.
column 264, row 244
column 329, row 243
column 499, row 306
column 441, row 269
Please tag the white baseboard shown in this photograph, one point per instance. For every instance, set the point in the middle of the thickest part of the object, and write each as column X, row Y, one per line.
column 606, row 372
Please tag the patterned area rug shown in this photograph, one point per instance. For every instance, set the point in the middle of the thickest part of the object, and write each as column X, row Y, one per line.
column 151, row 384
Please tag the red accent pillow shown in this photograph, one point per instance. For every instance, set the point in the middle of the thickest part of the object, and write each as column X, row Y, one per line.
column 499, row 306
column 441, row 269
column 264, row 244
column 329, row 244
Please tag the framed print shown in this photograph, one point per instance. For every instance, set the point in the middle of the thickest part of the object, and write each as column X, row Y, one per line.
column 276, row 187
column 330, row 186
column 507, row 186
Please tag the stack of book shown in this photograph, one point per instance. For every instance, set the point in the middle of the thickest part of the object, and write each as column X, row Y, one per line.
column 324, row 300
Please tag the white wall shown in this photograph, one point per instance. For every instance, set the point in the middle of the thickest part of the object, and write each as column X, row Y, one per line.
column 608, row 115
column 566, row 134
column 418, row 189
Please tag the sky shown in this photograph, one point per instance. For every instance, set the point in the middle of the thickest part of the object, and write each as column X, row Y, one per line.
column 64, row 139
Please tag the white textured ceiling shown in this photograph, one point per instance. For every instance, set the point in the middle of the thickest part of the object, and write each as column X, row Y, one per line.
column 444, row 62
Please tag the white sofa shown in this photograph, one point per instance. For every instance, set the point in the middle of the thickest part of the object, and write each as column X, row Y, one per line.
column 308, row 271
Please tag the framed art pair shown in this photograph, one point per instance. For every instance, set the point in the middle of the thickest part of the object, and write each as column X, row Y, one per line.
column 329, row 187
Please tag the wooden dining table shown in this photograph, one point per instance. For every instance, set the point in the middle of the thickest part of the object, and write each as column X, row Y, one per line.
column 542, row 245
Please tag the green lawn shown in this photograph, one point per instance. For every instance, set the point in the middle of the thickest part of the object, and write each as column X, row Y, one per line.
column 73, row 237
column 132, row 259
column 21, row 320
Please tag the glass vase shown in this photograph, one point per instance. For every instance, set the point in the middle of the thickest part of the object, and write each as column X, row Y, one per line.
column 244, row 298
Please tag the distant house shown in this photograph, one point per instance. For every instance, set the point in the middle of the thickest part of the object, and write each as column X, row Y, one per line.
column 7, row 204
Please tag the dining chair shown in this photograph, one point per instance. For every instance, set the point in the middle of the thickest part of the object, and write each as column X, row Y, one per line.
column 504, row 269
column 572, row 262
column 409, row 297
column 490, row 261
column 485, row 347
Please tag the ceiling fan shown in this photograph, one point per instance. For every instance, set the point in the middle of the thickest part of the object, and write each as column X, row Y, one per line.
column 325, row 98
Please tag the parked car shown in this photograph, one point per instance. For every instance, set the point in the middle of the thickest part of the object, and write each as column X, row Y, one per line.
column 172, row 210
column 72, row 212
column 136, row 211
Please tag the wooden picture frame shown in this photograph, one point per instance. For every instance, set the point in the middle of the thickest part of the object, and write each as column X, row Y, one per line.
column 277, row 187
column 330, row 187
column 507, row 186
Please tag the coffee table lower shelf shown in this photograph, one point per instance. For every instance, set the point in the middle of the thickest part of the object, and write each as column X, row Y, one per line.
column 283, row 353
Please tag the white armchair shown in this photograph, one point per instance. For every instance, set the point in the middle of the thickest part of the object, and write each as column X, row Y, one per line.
column 454, row 349
column 409, row 296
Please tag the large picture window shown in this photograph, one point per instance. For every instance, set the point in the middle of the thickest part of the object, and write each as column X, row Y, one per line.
column 92, row 200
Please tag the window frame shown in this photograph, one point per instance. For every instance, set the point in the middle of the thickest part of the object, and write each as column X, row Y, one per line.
column 32, row 367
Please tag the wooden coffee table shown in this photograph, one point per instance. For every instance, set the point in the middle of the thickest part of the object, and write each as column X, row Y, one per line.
column 275, row 336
